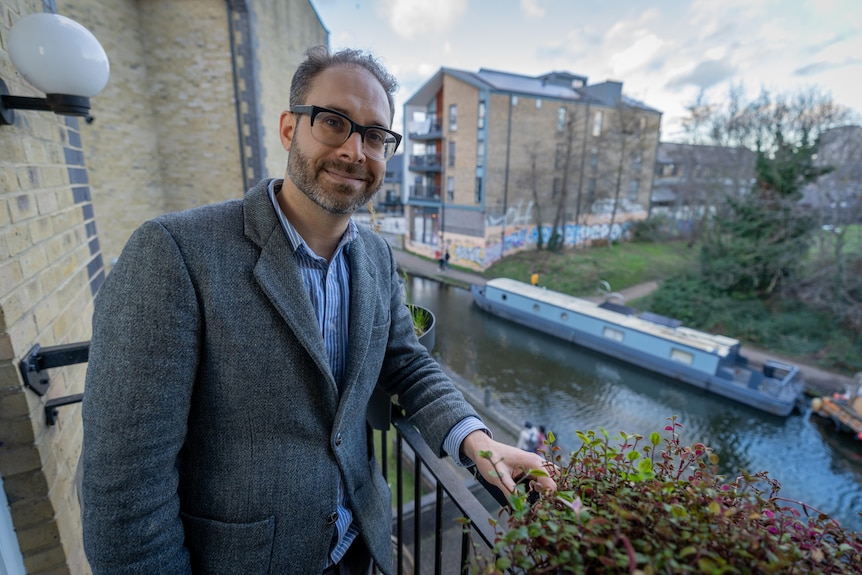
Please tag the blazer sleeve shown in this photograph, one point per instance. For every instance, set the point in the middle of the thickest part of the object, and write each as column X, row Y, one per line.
column 428, row 396
column 143, row 359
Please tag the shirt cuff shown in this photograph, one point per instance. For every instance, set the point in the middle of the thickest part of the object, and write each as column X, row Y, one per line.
column 452, row 444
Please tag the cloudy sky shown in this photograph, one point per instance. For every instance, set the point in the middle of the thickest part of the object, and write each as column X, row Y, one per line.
column 664, row 51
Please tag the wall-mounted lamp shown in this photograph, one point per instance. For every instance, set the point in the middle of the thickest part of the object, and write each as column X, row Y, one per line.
column 59, row 57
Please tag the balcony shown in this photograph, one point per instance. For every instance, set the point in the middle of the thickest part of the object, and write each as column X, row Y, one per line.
column 425, row 163
column 432, row 131
column 425, row 193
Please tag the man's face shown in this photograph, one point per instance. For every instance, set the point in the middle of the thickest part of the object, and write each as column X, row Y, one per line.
column 338, row 179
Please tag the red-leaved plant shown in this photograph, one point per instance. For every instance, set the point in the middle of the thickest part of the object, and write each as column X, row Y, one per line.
column 637, row 508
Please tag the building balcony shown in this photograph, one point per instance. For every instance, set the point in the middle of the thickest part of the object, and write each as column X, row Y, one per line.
column 425, row 163
column 425, row 193
column 432, row 131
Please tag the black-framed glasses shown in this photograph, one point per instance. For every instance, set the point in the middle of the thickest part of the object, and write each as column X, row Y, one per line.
column 333, row 128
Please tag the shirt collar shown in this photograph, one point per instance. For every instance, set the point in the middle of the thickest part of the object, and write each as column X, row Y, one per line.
column 293, row 238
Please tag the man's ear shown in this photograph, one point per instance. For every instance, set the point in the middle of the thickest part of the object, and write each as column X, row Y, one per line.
column 286, row 127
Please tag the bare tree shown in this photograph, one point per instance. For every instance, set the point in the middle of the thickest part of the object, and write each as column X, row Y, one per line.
column 761, row 238
column 530, row 180
column 625, row 142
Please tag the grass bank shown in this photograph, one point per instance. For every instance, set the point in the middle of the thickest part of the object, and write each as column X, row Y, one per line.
column 786, row 328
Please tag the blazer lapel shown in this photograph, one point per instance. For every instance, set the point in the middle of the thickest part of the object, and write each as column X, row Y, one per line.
column 364, row 284
column 278, row 276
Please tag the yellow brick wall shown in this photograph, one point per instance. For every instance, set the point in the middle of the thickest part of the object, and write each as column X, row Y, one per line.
column 46, row 297
column 122, row 144
column 277, row 55
column 165, row 137
column 466, row 98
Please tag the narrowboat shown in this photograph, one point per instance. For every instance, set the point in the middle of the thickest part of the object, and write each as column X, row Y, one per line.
column 659, row 344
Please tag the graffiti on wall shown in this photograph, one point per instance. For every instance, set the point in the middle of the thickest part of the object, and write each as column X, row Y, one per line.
column 517, row 215
column 471, row 253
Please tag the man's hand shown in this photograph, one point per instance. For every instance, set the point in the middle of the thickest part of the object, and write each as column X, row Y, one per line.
column 507, row 464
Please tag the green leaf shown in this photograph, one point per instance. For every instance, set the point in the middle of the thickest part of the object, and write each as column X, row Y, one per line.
column 644, row 465
column 654, row 438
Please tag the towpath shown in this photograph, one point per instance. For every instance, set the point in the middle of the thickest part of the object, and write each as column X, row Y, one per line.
column 817, row 380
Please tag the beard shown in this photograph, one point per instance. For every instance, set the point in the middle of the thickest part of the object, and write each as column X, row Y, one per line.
column 340, row 199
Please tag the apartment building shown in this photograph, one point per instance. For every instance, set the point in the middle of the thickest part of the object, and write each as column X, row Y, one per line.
column 691, row 179
column 497, row 162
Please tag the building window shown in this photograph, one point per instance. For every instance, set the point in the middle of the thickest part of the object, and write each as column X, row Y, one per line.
column 559, row 156
column 637, row 161
column 478, row 198
column 450, row 188
column 556, row 189
column 594, row 159
column 451, row 158
column 481, row 115
column 480, row 153
column 453, row 117
column 633, row 189
column 561, row 119
column 597, row 124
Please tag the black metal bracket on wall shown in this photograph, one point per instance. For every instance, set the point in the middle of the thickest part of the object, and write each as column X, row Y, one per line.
column 39, row 359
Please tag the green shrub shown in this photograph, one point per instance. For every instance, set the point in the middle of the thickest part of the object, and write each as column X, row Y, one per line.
column 636, row 508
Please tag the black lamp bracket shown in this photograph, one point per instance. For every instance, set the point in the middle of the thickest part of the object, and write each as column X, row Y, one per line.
column 62, row 104
column 39, row 359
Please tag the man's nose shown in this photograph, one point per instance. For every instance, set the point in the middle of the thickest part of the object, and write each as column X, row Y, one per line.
column 354, row 147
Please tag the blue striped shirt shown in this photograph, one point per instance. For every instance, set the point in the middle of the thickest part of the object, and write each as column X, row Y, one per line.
column 328, row 286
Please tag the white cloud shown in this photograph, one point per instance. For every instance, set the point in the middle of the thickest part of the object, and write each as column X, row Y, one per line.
column 636, row 55
column 417, row 18
column 532, row 9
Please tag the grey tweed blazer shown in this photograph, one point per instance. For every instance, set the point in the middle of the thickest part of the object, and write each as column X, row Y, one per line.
column 214, row 435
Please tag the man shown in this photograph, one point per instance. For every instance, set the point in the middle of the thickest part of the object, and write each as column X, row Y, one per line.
column 528, row 439
column 234, row 351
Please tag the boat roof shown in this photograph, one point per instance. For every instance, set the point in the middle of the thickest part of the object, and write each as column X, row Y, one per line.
column 718, row 344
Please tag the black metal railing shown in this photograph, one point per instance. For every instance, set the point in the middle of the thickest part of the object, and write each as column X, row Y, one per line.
column 432, row 519
column 425, row 192
column 434, row 132
column 425, row 163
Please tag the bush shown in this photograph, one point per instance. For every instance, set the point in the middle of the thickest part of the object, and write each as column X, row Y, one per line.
column 636, row 508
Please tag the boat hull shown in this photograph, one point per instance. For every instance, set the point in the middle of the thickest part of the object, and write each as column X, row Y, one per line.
column 780, row 401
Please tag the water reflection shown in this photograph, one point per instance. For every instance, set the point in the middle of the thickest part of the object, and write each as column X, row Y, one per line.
column 567, row 388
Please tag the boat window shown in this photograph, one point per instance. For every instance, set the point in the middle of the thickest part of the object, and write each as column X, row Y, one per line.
column 612, row 333
column 504, row 296
column 681, row 356
column 535, row 307
column 564, row 316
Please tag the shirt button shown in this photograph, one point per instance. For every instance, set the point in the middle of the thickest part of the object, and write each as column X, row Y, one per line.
column 333, row 517
column 338, row 439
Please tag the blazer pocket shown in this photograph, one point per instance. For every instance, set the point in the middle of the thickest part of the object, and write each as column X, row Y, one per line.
column 227, row 548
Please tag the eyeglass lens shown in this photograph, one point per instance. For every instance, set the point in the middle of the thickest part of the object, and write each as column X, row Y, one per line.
column 333, row 130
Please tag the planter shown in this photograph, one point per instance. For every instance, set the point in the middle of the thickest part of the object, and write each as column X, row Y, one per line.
column 425, row 324
column 379, row 413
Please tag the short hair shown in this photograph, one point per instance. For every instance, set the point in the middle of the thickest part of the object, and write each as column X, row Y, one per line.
column 320, row 58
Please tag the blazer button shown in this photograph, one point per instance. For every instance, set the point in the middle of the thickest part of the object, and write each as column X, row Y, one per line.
column 338, row 439
column 333, row 517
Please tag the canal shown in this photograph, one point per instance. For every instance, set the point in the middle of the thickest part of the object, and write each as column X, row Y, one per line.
column 567, row 388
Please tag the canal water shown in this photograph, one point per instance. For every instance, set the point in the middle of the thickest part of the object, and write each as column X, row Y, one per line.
column 568, row 388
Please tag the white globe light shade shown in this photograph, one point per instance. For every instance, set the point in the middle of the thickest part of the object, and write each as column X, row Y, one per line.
column 58, row 56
